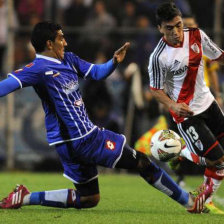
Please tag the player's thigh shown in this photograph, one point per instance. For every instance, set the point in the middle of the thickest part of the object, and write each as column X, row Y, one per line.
column 103, row 147
column 199, row 138
column 215, row 121
column 129, row 158
column 78, row 172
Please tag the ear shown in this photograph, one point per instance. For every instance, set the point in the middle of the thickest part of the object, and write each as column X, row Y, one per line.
column 160, row 28
column 49, row 44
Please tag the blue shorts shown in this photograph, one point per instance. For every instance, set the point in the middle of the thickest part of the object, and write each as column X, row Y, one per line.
column 80, row 157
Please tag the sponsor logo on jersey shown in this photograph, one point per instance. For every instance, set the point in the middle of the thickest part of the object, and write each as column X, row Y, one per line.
column 52, row 73
column 78, row 103
column 212, row 48
column 195, row 48
column 70, row 86
column 199, row 145
column 18, row 70
column 56, row 74
column 180, row 71
column 110, row 145
column 49, row 73
column 176, row 63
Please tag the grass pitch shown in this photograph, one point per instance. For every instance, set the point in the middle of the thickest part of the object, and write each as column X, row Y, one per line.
column 124, row 199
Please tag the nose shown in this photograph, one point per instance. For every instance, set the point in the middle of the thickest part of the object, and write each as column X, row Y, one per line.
column 65, row 43
column 175, row 31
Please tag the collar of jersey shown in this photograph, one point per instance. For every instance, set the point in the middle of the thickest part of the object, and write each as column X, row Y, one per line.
column 48, row 58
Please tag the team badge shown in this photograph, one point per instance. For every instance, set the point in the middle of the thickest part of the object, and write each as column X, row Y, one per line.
column 199, row 145
column 195, row 48
column 110, row 145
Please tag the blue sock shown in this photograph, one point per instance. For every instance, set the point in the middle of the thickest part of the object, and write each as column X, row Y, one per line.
column 159, row 179
column 64, row 198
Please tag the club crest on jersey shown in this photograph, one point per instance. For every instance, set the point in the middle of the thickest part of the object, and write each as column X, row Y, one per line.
column 110, row 145
column 199, row 145
column 195, row 48
column 78, row 103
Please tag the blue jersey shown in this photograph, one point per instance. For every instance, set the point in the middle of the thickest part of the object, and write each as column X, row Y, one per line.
column 56, row 83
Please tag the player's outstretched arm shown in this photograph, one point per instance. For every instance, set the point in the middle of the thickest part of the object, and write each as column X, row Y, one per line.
column 8, row 85
column 102, row 71
column 119, row 54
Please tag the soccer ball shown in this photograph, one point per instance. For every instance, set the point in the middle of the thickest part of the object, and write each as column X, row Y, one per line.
column 165, row 145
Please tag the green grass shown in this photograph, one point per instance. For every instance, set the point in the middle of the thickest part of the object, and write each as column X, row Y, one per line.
column 124, row 199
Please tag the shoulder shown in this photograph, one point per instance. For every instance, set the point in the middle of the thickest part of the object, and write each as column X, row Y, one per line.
column 158, row 51
column 33, row 66
column 189, row 29
column 69, row 56
column 193, row 31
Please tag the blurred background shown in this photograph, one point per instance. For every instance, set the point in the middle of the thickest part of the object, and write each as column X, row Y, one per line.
column 93, row 30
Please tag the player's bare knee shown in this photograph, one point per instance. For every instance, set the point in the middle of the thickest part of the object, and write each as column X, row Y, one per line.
column 90, row 201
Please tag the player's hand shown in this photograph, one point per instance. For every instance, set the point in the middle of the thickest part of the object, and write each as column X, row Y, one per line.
column 182, row 110
column 119, row 54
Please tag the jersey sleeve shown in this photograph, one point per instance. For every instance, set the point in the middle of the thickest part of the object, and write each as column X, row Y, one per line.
column 29, row 75
column 210, row 49
column 81, row 66
column 157, row 71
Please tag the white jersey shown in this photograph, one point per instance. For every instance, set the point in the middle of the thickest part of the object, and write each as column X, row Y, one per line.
column 179, row 70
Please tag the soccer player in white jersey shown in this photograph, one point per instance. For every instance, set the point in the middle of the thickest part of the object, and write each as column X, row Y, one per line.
column 177, row 81
column 80, row 144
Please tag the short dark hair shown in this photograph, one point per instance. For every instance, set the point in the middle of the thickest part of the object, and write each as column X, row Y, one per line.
column 42, row 32
column 166, row 12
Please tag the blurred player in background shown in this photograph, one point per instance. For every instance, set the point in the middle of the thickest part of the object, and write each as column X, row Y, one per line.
column 177, row 81
column 80, row 144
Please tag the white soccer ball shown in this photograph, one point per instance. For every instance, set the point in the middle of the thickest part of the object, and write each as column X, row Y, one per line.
column 165, row 145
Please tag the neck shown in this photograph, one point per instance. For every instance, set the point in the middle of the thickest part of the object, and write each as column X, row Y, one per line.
column 49, row 54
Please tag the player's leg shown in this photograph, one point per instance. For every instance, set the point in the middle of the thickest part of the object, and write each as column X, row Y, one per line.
column 83, row 176
column 86, row 196
column 159, row 179
column 200, row 139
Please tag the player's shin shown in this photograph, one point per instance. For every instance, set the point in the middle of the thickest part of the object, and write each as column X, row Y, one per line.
column 159, row 179
column 65, row 198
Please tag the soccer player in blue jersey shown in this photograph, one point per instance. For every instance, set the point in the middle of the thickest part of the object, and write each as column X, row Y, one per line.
column 80, row 144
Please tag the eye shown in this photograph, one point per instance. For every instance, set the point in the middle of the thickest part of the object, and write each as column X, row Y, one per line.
column 169, row 27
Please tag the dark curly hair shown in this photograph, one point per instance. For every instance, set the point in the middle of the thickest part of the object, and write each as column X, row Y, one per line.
column 166, row 12
column 43, row 32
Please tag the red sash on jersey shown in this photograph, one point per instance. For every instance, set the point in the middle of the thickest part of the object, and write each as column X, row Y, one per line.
column 195, row 54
